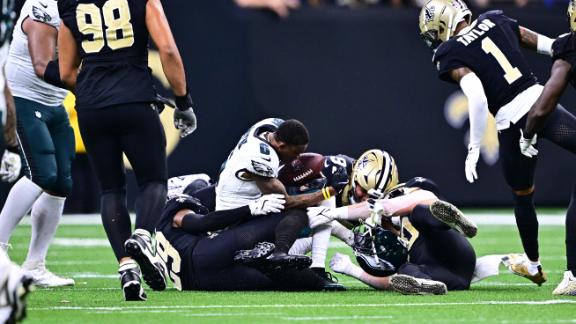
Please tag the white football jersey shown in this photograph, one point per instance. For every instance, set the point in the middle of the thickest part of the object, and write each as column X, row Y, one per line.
column 253, row 154
column 176, row 185
column 22, row 80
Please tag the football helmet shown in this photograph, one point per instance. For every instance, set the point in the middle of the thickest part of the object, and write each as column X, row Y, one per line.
column 378, row 251
column 375, row 169
column 439, row 19
column 572, row 15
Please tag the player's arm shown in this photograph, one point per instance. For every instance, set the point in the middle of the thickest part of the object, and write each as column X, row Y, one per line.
column 536, row 42
column 42, row 40
column 273, row 185
column 68, row 57
column 549, row 98
column 194, row 223
column 10, row 136
column 478, row 115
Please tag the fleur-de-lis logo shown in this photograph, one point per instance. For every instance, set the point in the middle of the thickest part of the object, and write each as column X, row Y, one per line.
column 429, row 14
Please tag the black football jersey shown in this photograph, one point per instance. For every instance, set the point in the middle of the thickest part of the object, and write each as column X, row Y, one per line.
column 175, row 247
column 7, row 16
column 564, row 48
column 112, row 41
column 491, row 49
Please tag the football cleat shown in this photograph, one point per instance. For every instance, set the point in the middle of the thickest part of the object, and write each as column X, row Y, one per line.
column 131, row 282
column 329, row 282
column 42, row 277
column 408, row 285
column 140, row 248
column 263, row 257
column 453, row 217
column 258, row 253
column 280, row 260
column 519, row 265
column 567, row 286
column 18, row 286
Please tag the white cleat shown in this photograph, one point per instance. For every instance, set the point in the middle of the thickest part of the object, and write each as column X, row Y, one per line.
column 567, row 286
column 42, row 277
column 408, row 285
column 340, row 263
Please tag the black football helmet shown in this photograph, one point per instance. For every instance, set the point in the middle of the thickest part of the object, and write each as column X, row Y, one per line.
column 378, row 251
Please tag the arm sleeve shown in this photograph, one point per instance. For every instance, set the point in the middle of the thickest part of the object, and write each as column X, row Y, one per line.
column 195, row 223
column 477, row 107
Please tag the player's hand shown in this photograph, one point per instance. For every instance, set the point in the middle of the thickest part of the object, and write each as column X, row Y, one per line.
column 470, row 165
column 184, row 116
column 267, row 204
column 318, row 216
column 10, row 166
column 336, row 176
column 375, row 203
column 528, row 145
column 160, row 102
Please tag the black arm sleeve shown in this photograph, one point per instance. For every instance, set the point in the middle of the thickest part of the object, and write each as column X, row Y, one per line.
column 195, row 223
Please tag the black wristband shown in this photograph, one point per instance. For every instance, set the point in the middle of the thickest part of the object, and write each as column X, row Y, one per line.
column 52, row 74
column 184, row 102
column 13, row 149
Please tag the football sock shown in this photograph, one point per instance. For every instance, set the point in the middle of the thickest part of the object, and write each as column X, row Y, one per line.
column 46, row 213
column 150, row 204
column 344, row 234
column 20, row 199
column 571, row 234
column 320, row 241
column 301, row 246
column 288, row 229
column 487, row 266
column 116, row 221
column 527, row 223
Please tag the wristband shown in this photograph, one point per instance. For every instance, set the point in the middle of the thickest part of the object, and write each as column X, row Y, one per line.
column 326, row 193
column 184, row 102
column 544, row 45
column 13, row 149
column 52, row 74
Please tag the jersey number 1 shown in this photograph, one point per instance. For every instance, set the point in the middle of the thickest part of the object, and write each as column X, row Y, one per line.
column 116, row 29
column 511, row 73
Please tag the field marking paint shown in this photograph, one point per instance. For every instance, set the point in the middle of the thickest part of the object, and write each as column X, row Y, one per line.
column 386, row 305
column 81, row 242
column 91, row 275
column 481, row 218
column 334, row 318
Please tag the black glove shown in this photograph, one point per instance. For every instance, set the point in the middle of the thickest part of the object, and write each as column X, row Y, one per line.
column 160, row 102
column 336, row 176
column 184, row 117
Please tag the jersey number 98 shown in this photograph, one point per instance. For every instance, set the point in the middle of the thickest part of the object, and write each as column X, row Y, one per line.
column 116, row 31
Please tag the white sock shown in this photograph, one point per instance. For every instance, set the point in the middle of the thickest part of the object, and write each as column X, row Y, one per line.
column 301, row 246
column 533, row 266
column 487, row 266
column 320, row 241
column 46, row 214
column 343, row 233
column 20, row 199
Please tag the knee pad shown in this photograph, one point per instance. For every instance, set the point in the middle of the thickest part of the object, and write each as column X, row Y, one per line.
column 48, row 182
column 63, row 186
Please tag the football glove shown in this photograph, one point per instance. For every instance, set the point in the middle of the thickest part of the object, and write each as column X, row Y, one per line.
column 470, row 164
column 318, row 216
column 336, row 176
column 160, row 102
column 528, row 145
column 10, row 166
column 267, row 204
column 184, row 116
column 376, row 208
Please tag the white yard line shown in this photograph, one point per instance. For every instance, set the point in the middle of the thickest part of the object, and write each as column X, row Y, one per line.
column 384, row 305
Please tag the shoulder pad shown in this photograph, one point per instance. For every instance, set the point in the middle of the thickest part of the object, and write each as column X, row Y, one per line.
column 260, row 159
column 44, row 11
column 563, row 45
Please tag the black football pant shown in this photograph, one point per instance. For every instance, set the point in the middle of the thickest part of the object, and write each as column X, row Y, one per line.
column 439, row 253
column 560, row 129
column 215, row 269
column 135, row 130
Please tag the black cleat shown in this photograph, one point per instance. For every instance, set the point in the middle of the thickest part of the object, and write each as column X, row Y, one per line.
column 329, row 282
column 257, row 254
column 408, row 285
column 140, row 248
column 281, row 261
column 453, row 217
column 131, row 282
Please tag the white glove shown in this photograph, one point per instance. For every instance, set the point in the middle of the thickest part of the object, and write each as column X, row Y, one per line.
column 319, row 216
column 527, row 145
column 267, row 204
column 470, row 165
column 10, row 167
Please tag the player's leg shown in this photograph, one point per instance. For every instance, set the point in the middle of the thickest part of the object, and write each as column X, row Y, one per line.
column 519, row 174
column 149, row 163
column 414, row 279
column 105, row 153
column 568, row 284
column 48, row 208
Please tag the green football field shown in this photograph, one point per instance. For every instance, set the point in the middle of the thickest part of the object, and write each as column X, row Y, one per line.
column 80, row 251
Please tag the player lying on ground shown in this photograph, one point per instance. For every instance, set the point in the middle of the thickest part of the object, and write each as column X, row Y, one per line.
column 543, row 119
column 485, row 59
column 201, row 251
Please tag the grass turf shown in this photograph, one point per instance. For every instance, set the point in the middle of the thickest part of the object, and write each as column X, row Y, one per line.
column 97, row 298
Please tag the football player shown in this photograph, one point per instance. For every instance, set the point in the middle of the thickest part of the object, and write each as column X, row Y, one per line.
column 115, row 99
column 550, row 120
column 485, row 59
column 209, row 251
column 45, row 136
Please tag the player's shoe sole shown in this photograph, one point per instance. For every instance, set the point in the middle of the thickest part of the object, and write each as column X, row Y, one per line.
column 133, row 291
column 258, row 253
column 518, row 267
column 453, row 217
column 567, row 287
column 153, row 273
column 19, row 300
column 409, row 285
column 287, row 261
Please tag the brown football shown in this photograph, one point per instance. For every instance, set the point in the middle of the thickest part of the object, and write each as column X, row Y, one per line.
column 307, row 167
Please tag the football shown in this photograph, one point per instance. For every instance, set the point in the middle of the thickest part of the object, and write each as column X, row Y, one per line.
column 307, row 167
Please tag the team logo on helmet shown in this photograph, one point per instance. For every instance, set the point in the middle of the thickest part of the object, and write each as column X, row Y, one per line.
column 429, row 14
